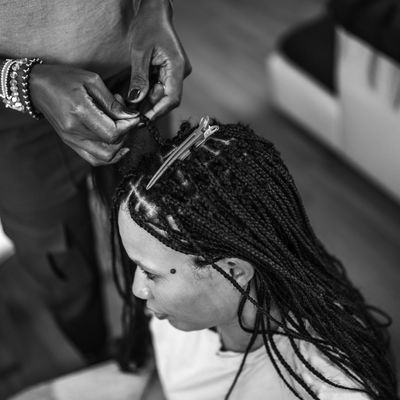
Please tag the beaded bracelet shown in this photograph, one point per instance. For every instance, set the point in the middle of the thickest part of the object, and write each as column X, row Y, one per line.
column 9, row 79
column 25, row 87
column 11, row 100
column 14, row 80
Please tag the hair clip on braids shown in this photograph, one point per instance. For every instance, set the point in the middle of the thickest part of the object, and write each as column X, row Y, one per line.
column 196, row 139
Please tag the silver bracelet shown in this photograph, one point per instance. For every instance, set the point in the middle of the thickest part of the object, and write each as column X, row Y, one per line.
column 14, row 83
column 26, row 70
column 9, row 84
column 3, row 78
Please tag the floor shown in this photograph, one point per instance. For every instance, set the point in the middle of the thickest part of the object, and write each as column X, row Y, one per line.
column 227, row 42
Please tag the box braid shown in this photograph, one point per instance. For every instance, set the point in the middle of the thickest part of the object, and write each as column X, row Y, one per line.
column 234, row 197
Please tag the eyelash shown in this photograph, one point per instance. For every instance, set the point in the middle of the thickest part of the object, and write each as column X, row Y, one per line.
column 149, row 275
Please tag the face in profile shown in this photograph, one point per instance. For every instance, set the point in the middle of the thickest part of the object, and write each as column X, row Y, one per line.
column 190, row 297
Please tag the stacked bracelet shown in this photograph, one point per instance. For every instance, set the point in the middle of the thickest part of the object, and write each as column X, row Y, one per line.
column 14, row 85
column 25, row 86
column 4, row 78
column 8, row 81
column 9, row 85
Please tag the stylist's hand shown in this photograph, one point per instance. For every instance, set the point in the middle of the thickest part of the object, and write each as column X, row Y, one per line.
column 155, row 45
column 84, row 113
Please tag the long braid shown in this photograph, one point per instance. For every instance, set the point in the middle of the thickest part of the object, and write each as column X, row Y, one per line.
column 238, row 179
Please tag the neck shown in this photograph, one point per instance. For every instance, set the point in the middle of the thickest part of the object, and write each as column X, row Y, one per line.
column 234, row 338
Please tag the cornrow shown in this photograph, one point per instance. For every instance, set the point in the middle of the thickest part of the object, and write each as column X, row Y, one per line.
column 234, row 197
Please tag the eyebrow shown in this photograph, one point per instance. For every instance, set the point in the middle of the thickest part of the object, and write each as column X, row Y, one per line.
column 152, row 271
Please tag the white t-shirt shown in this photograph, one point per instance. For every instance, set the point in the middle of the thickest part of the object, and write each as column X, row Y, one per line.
column 191, row 366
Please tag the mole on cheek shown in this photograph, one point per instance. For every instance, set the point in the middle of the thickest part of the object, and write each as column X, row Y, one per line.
column 172, row 271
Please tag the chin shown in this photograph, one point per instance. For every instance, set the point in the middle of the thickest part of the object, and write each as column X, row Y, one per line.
column 186, row 326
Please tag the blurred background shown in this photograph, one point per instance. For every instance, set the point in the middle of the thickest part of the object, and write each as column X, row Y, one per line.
column 279, row 66
column 328, row 96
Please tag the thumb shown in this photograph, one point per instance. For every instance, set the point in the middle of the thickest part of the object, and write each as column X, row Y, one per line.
column 139, row 85
column 109, row 104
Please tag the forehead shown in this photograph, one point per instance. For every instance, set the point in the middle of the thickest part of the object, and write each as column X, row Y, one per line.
column 144, row 248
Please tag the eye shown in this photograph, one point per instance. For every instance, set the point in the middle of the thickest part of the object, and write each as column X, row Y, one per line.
column 148, row 274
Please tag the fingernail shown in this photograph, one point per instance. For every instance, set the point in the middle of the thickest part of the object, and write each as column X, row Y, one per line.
column 131, row 114
column 124, row 151
column 133, row 94
column 150, row 116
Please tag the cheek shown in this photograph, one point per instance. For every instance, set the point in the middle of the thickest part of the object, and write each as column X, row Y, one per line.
column 182, row 295
column 207, row 300
column 211, row 299
column 176, row 296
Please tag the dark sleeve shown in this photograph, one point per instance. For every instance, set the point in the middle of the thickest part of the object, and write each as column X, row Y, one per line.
column 376, row 22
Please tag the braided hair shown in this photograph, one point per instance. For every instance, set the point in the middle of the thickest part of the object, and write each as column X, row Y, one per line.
column 234, row 197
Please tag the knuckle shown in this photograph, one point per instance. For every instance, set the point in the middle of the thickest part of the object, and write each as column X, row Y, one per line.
column 93, row 77
column 68, row 125
column 76, row 110
column 110, row 137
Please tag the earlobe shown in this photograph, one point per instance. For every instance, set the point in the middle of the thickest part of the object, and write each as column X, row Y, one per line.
column 240, row 270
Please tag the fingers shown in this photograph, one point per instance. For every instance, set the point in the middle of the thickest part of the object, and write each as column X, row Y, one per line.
column 156, row 93
column 173, row 85
column 98, row 154
column 109, row 104
column 139, row 85
column 171, row 77
column 102, row 127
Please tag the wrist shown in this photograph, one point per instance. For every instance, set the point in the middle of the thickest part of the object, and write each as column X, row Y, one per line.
column 15, row 82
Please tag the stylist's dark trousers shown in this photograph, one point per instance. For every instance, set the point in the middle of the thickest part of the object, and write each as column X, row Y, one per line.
column 51, row 308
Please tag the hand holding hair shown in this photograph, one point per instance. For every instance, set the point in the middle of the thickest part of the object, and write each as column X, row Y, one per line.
column 155, row 45
column 84, row 113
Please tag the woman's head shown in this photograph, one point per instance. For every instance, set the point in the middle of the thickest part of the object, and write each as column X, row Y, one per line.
column 231, row 198
column 174, row 286
column 232, row 217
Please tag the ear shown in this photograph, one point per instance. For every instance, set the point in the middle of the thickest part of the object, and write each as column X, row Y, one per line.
column 241, row 271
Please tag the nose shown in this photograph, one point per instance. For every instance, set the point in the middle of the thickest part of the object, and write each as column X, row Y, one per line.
column 139, row 287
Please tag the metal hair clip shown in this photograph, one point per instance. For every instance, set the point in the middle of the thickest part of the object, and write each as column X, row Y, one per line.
column 196, row 139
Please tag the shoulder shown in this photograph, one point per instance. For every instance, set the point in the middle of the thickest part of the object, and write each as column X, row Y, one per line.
column 324, row 370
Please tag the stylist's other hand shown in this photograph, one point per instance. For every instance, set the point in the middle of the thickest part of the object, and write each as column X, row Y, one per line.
column 155, row 45
column 81, row 109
